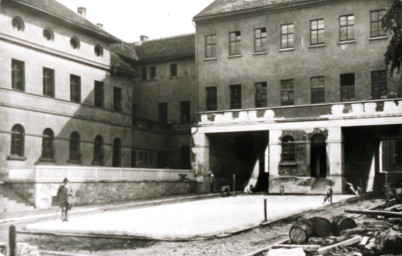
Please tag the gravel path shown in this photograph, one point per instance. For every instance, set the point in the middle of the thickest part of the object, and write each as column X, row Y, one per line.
column 239, row 244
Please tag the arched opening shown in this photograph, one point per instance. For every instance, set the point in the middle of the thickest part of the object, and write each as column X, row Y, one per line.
column 17, row 140
column 185, row 157
column 318, row 156
column 75, row 152
column 116, row 162
column 98, row 150
column 47, row 144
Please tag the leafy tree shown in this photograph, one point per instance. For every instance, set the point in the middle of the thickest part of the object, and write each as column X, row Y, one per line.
column 392, row 22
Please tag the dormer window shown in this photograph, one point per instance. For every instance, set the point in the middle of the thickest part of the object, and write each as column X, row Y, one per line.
column 98, row 50
column 75, row 42
column 18, row 24
column 48, row 34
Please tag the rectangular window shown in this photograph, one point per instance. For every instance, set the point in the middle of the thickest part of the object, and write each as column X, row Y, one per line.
column 346, row 27
column 117, row 99
column 144, row 75
column 163, row 112
column 287, row 36
column 260, row 40
column 260, row 95
column 317, row 32
column 173, row 70
column 235, row 43
column 347, row 87
column 287, row 92
column 18, row 75
column 75, row 88
column 235, row 96
column 133, row 159
column 185, row 111
column 99, row 94
column 210, row 46
column 379, row 84
column 375, row 23
column 152, row 73
column 317, row 89
column 211, row 98
column 48, row 82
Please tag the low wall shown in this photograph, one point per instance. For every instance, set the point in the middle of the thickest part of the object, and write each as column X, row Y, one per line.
column 42, row 195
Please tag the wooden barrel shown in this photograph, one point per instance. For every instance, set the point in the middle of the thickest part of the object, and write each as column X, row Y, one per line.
column 342, row 222
column 301, row 231
column 321, row 226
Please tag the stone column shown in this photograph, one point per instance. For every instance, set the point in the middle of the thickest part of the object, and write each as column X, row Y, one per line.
column 274, row 159
column 335, row 158
column 200, row 161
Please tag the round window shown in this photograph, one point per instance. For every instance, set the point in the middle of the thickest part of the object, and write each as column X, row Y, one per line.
column 98, row 50
column 75, row 42
column 48, row 34
column 18, row 23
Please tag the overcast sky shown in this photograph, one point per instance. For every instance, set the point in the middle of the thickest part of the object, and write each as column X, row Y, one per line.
column 128, row 19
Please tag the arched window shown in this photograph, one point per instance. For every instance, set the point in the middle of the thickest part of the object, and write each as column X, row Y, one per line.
column 75, row 153
column 98, row 150
column 116, row 162
column 17, row 140
column 185, row 157
column 288, row 149
column 47, row 144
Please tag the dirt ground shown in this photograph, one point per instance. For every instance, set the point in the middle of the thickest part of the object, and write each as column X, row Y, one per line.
column 239, row 244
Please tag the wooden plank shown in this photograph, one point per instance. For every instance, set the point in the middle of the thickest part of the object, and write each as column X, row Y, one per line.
column 351, row 241
column 377, row 212
column 305, row 247
column 392, row 207
column 266, row 248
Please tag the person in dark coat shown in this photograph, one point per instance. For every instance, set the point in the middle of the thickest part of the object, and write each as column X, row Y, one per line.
column 211, row 182
column 64, row 196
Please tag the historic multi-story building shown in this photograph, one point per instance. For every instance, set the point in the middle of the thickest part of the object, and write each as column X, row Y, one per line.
column 74, row 96
column 298, row 92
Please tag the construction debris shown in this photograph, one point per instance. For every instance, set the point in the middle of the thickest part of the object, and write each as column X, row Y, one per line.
column 287, row 252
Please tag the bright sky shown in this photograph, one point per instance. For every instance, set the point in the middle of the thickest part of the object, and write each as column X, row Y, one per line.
column 128, row 19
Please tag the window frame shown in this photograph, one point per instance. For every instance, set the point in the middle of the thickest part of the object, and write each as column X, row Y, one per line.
column 173, row 70
column 210, row 46
column 99, row 94
column 317, row 32
column 261, row 94
column 75, row 147
column 235, row 43
column 347, row 27
column 382, row 85
column 319, row 88
column 348, row 91
column 47, row 145
column 262, row 39
column 117, row 99
column 235, row 96
column 98, row 157
column 211, row 98
column 288, row 91
column 75, row 88
column 48, row 82
column 288, row 153
column 288, row 35
column 17, row 145
column 185, row 111
column 152, row 73
column 380, row 31
column 17, row 75
column 117, row 153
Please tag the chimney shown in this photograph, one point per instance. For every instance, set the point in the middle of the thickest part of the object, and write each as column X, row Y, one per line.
column 143, row 38
column 99, row 25
column 82, row 11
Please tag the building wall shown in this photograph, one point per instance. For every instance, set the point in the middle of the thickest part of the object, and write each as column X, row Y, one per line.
column 360, row 57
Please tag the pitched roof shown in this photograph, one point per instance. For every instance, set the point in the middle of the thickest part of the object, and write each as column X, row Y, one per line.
column 165, row 48
column 227, row 6
column 125, row 50
column 56, row 9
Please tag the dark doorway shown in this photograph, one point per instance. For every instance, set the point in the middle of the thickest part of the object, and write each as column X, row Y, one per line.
column 318, row 163
column 185, row 157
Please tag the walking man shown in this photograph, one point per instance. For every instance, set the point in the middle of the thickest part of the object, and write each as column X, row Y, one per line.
column 64, row 195
column 211, row 182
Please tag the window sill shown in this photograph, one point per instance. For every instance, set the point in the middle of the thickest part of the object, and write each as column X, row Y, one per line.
column 347, row 42
column 286, row 49
column 173, row 77
column 74, row 161
column 43, row 159
column 235, row 56
column 316, row 46
column 288, row 164
column 260, row 53
column 378, row 38
column 95, row 163
column 212, row 58
column 16, row 158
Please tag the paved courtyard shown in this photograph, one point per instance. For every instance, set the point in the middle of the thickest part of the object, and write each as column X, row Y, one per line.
column 187, row 220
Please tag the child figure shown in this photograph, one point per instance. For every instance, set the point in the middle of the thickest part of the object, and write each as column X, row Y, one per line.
column 328, row 194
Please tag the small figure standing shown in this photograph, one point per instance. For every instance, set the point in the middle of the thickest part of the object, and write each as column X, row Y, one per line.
column 249, row 189
column 211, row 182
column 64, row 195
column 328, row 195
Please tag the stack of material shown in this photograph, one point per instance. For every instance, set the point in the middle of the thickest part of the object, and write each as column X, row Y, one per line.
column 23, row 249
